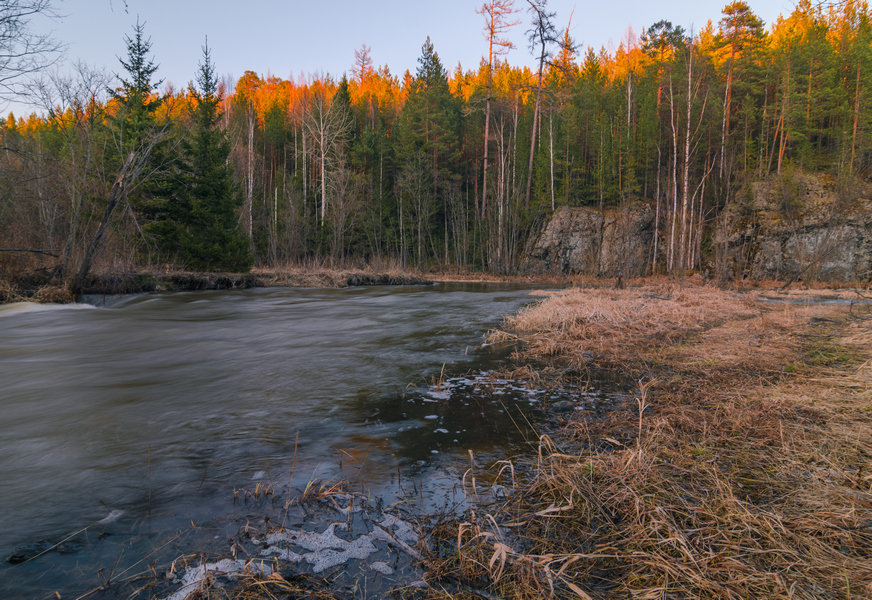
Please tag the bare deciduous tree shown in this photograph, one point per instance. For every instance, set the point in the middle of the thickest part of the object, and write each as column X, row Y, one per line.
column 346, row 190
column 496, row 15
column 542, row 35
column 71, row 103
column 23, row 52
column 327, row 125
column 129, row 175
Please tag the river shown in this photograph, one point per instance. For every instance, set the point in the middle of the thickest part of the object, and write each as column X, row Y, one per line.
column 137, row 416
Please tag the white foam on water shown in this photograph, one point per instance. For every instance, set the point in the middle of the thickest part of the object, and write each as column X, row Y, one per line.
column 23, row 308
column 113, row 516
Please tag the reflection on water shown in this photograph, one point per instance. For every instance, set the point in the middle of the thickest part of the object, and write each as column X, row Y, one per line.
column 154, row 408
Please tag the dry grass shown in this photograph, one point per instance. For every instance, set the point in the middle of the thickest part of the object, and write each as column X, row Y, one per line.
column 54, row 294
column 316, row 274
column 615, row 323
column 9, row 292
column 461, row 276
column 742, row 470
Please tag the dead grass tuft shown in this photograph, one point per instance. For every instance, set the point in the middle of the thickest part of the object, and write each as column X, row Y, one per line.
column 9, row 292
column 54, row 294
column 612, row 323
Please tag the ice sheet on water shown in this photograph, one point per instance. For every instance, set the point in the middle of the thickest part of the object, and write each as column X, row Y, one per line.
column 438, row 394
column 381, row 567
column 193, row 576
column 327, row 550
column 403, row 530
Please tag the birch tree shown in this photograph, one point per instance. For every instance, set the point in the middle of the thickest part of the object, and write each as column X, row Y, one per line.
column 327, row 125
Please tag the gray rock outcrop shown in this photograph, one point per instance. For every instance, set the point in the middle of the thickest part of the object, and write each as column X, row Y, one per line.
column 586, row 241
column 799, row 226
column 790, row 226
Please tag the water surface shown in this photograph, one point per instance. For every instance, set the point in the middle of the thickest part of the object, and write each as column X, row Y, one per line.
column 147, row 412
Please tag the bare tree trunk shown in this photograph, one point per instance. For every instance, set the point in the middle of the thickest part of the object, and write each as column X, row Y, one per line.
column 403, row 253
column 115, row 193
column 671, row 256
column 686, row 174
column 305, row 182
column 31, row 251
column 551, row 153
column 501, row 196
column 725, row 126
column 323, row 154
column 533, row 135
column 656, row 213
column 496, row 13
column 856, row 119
column 486, row 135
column 249, row 190
column 785, row 107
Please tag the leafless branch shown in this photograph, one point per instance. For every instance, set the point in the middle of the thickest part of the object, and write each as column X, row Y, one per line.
column 22, row 51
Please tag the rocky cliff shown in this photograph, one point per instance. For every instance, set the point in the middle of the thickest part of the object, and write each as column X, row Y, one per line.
column 790, row 226
column 587, row 241
column 798, row 226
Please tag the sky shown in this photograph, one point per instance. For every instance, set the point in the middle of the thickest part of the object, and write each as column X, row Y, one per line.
column 292, row 39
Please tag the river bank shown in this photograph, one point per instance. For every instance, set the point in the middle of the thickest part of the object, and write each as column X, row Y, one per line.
column 38, row 286
column 743, row 468
column 740, row 469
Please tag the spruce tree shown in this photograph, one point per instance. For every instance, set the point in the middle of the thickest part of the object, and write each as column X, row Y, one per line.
column 136, row 115
column 208, row 199
column 428, row 143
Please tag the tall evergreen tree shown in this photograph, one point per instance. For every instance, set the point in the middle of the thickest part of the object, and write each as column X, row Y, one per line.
column 136, row 115
column 213, row 239
column 199, row 218
column 429, row 140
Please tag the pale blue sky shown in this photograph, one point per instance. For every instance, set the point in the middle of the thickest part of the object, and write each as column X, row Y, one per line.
column 291, row 38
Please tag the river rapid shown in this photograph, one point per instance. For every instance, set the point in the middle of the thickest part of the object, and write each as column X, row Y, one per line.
column 137, row 417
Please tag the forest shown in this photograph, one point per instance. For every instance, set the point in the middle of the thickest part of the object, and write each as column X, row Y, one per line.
column 447, row 167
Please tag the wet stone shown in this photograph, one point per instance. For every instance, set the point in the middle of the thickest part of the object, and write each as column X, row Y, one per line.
column 562, row 406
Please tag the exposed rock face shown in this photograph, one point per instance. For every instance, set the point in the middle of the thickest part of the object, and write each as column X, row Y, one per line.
column 791, row 226
column 799, row 226
column 586, row 241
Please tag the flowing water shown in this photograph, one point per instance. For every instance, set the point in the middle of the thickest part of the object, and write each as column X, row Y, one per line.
column 136, row 417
